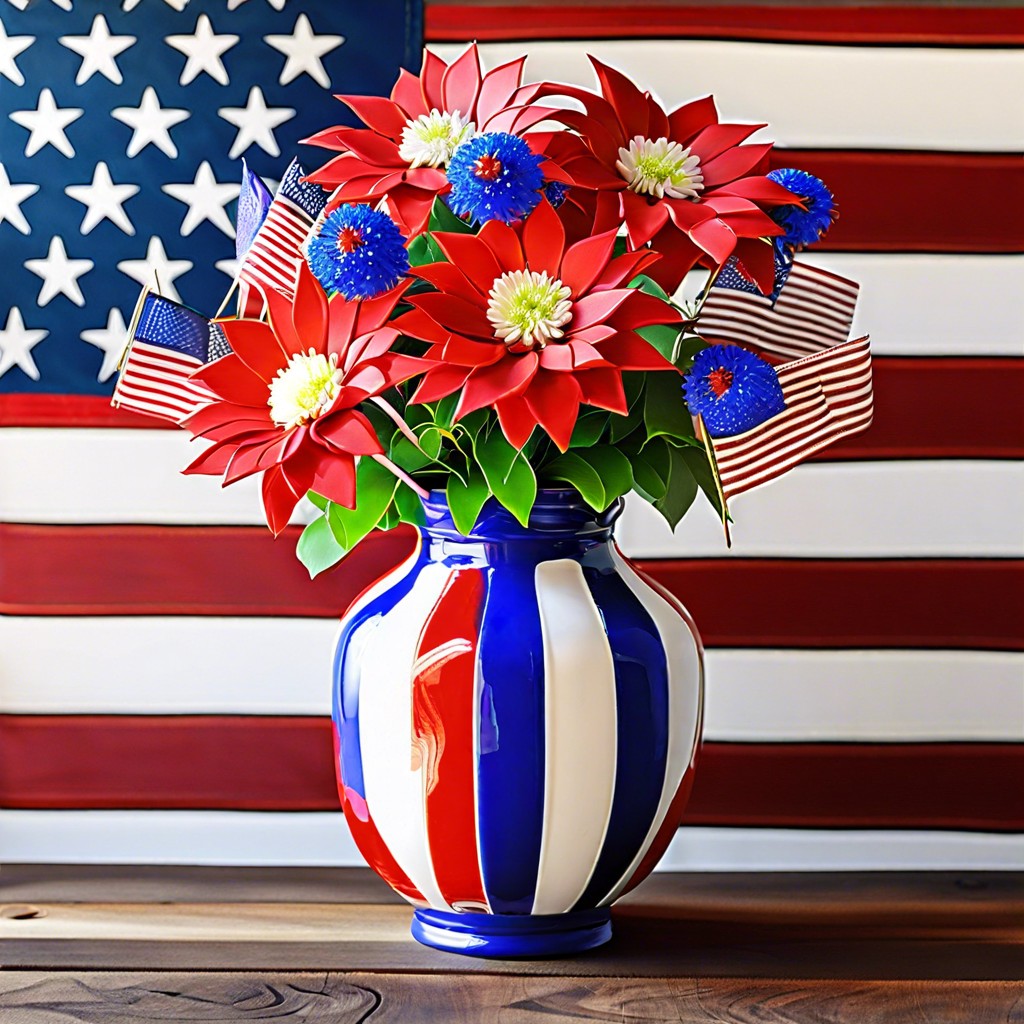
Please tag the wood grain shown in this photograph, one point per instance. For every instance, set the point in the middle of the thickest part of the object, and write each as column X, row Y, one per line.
column 125, row 998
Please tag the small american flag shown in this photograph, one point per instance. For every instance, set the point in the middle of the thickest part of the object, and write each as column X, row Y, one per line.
column 168, row 343
column 809, row 310
column 828, row 395
column 275, row 254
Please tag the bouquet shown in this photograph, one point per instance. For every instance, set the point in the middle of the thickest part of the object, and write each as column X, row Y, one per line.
column 480, row 292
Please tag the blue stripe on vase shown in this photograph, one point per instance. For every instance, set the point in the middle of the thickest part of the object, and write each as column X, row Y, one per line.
column 351, row 642
column 510, row 770
column 641, row 687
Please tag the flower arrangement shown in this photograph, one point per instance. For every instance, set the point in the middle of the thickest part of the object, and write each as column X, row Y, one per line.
column 485, row 306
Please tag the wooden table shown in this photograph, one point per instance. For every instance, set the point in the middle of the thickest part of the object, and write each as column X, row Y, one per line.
column 121, row 945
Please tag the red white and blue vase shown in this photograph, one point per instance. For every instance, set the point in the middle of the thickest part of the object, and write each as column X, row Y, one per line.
column 518, row 715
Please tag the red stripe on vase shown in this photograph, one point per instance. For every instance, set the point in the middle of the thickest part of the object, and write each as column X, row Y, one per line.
column 930, row 25
column 274, row 763
column 367, row 838
column 444, row 725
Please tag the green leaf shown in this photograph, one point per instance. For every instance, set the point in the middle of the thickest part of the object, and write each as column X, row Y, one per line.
column 589, row 428
column 467, row 499
column 318, row 548
column 601, row 474
column 663, row 337
column 665, row 409
column 317, row 499
column 423, row 249
column 430, row 441
column 409, row 506
column 442, row 219
column 681, row 490
column 696, row 459
column 375, row 487
column 651, row 468
column 649, row 285
column 623, row 426
column 508, row 473
column 444, row 410
column 686, row 349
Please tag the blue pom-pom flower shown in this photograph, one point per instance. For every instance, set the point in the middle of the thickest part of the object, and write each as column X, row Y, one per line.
column 494, row 176
column 803, row 227
column 359, row 252
column 732, row 389
column 555, row 192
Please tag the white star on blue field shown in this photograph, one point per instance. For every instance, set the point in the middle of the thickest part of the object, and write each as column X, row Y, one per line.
column 122, row 131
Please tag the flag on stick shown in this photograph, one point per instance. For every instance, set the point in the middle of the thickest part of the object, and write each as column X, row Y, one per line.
column 168, row 342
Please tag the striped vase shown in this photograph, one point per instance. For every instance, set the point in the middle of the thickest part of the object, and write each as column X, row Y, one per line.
column 517, row 715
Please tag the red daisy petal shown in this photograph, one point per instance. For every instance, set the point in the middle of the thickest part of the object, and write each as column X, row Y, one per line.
column 554, row 398
column 473, row 256
column 464, row 352
column 455, row 314
column 689, row 119
column 256, row 345
column 447, row 278
column 335, row 479
column 440, row 382
column 504, row 245
column 382, row 115
column 584, row 262
column 544, row 239
column 517, row 420
column 408, row 94
column 716, row 139
column 487, row 384
column 431, row 77
column 629, row 102
column 346, row 430
column 278, row 500
column 231, row 379
column 603, row 388
column 461, row 82
column 497, row 89
column 735, row 163
column 597, row 307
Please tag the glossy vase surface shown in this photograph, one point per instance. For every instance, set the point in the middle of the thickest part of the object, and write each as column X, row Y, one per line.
column 518, row 716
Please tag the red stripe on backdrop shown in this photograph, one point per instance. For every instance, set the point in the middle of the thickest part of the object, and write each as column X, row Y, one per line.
column 286, row 764
column 931, row 25
column 817, row 603
column 900, row 201
column 913, row 419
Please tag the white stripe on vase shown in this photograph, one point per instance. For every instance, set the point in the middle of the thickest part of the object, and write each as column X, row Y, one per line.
column 580, row 737
column 394, row 787
column 802, row 106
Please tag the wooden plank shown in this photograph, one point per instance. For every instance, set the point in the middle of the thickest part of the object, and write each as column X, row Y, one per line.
column 126, row 998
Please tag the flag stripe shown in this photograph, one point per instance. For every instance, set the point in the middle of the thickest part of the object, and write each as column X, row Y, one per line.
column 942, row 603
column 804, row 113
column 927, row 25
column 272, row 763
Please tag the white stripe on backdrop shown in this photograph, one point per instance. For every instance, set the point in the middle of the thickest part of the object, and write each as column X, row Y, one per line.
column 268, row 838
column 815, row 96
column 854, row 509
column 256, row 666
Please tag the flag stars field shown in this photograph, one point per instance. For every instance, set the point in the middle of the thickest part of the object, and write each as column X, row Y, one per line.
column 47, row 124
column 16, row 344
column 10, row 48
column 110, row 340
column 60, row 274
column 304, row 50
column 99, row 51
column 150, row 123
column 104, row 200
column 11, row 198
column 206, row 199
column 203, row 50
column 157, row 266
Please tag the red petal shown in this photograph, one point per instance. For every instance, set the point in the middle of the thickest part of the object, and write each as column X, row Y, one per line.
column 348, row 431
column 280, row 316
column 461, row 83
column 596, row 307
column 230, row 378
column 224, row 415
column 255, row 345
column 629, row 102
column 278, row 500
column 247, row 458
column 440, row 382
column 410, row 209
column 455, row 314
column 757, row 261
column 686, row 121
column 657, row 119
column 497, row 89
column 643, row 219
column 214, row 461
column 377, row 113
column 431, row 76
column 408, row 94
column 603, row 388
column 370, row 346
column 309, row 311
column 376, row 312
column 446, row 277
column 373, row 148
column 643, row 310
column 556, row 357
column 341, row 317
column 544, row 239
column 504, row 245
column 464, row 352
column 585, row 356
column 631, row 352
column 717, row 138
column 734, row 164
column 624, row 268
column 335, row 479
column 488, row 384
column 554, row 399
column 418, row 325
column 473, row 257
column 516, row 419
column 716, row 238
column 758, row 189
column 585, row 261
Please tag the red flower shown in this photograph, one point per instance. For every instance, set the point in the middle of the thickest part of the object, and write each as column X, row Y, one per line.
column 288, row 396
column 403, row 151
column 681, row 181
column 532, row 329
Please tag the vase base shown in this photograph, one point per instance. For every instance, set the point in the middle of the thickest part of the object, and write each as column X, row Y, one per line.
column 513, row 935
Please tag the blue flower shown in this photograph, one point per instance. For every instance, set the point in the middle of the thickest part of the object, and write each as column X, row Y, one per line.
column 803, row 227
column 494, row 177
column 556, row 191
column 359, row 252
column 732, row 389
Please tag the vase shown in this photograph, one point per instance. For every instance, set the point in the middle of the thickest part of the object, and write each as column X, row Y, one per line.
column 517, row 717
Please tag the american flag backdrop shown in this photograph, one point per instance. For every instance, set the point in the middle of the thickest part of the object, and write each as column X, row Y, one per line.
column 164, row 665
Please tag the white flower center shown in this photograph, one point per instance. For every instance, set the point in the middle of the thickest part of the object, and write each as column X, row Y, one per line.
column 430, row 139
column 528, row 309
column 304, row 389
column 660, row 168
